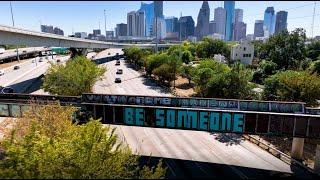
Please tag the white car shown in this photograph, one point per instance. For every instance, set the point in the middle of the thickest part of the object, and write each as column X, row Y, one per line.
column 1, row 72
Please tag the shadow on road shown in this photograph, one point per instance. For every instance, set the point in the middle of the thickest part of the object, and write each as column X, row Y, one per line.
column 177, row 168
column 228, row 139
column 27, row 86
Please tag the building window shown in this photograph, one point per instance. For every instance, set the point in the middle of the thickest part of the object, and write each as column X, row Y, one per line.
column 249, row 55
column 236, row 54
column 244, row 49
column 244, row 55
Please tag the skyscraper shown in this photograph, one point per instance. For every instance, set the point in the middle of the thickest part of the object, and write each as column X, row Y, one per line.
column 281, row 21
column 229, row 7
column 161, row 28
column 258, row 29
column 149, row 16
column 186, row 27
column 158, row 9
column 238, row 15
column 131, row 23
column 58, row 31
column 220, row 20
column 121, row 30
column 202, row 28
column 269, row 21
column 240, row 30
column 212, row 27
column 171, row 24
column 140, row 23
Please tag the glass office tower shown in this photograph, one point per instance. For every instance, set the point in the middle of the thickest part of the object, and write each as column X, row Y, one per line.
column 229, row 7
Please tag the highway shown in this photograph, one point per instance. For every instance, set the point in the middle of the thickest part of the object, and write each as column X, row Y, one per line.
column 22, row 51
column 185, row 153
column 188, row 153
column 22, row 78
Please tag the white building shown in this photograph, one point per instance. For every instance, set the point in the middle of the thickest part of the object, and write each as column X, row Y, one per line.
column 250, row 37
column 140, row 23
column 243, row 52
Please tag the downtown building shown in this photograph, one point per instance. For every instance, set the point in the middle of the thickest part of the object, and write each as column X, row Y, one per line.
column 148, row 10
column 50, row 29
column 202, row 28
column 172, row 28
column 269, row 21
column 229, row 7
column 281, row 21
column 258, row 29
column 218, row 26
column 121, row 30
column 82, row 35
column 239, row 27
column 159, row 24
column 186, row 27
column 136, row 24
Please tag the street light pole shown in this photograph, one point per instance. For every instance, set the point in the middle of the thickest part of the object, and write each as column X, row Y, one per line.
column 105, row 23
column 13, row 26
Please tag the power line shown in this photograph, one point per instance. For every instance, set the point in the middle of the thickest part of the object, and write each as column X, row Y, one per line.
column 286, row 9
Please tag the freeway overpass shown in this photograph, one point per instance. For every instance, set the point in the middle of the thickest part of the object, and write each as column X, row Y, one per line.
column 17, row 36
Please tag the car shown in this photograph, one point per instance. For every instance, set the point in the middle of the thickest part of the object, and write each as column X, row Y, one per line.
column 119, row 71
column 117, row 80
column 117, row 63
column 40, row 60
column 47, row 57
column 16, row 67
column 1, row 72
column 24, row 51
column 117, row 54
column 58, row 60
column 109, row 53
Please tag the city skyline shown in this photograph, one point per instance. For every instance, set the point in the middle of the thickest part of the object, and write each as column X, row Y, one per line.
column 121, row 9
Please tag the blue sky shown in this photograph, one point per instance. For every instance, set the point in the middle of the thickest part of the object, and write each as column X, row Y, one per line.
column 85, row 15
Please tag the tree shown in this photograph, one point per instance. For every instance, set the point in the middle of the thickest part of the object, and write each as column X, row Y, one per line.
column 266, row 68
column 313, row 50
column 315, row 67
column 286, row 49
column 293, row 86
column 76, row 77
column 209, row 47
column 46, row 144
column 155, row 61
column 187, row 57
column 233, row 84
column 187, row 71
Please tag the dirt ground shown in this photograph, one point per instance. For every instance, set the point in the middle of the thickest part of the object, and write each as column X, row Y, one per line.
column 183, row 88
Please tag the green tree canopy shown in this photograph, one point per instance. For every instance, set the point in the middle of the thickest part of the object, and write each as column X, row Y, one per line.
column 286, row 49
column 293, row 86
column 44, row 144
column 208, row 47
column 313, row 50
column 76, row 77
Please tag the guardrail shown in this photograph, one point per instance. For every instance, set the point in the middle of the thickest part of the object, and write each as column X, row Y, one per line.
column 277, row 153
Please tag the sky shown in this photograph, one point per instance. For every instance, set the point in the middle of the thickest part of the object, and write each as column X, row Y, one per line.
column 84, row 16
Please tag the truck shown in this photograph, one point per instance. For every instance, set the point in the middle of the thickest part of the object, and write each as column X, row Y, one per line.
column 2, row 50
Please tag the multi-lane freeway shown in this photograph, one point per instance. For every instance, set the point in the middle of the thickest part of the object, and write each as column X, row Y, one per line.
column 186, row 153
column 27, row 74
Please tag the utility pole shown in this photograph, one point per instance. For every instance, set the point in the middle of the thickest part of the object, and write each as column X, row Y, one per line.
column 105, row 23
column 156, row 35
column 13, row 26
column 314, row 11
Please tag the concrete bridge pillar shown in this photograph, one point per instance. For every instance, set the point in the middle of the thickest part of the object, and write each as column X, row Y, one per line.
column 317, row 160
column 297, row 148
